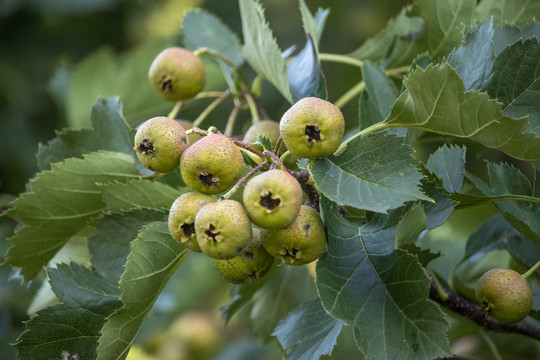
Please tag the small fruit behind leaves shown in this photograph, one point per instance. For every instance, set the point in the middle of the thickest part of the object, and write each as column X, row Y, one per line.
column 223, row 229
column 182, row 218
column 193, row 137
column 273, row 199
column 252, row 263
column 177, row 74
column 505, row 295
column 212, row 165
column 300, row 243
column 312, row 128
column 266, row 128
column 159, row 143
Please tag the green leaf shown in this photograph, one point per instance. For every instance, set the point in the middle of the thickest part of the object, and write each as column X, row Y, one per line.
column 382, row 293
column 474, row 59
column 60, row 203
column 376, row 172
column 139, row 193
column 309, row 331
column 411, row 225
column 506, row 180
column 490, row 236
column 516, row 82
column 313, row 25
column 516, row 12
column 109, row 132
column 154, row 257
column 508, row 35
column 378, row 96
column 109, row 253
column 448, row 164
column 59, row 331
column 435, row 100
column 261, row 50
column 524, row 251
column 440, row 209
column 77, row 286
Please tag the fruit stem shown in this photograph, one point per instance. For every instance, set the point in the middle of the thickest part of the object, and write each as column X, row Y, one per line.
column 197, row 122
column 232, row 119
column 278, row 144
column 196, row 130
column 175, row 110
column 277, row 160
column 490, row 344
column 351, row 93
column 242, row 181
column 531, row 270
column 344, row 59
column 252, row 107
column 226, row 60
column 243, row 145
column 364, row 132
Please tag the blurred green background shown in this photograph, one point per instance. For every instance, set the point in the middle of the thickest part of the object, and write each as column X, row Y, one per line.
column 57, row 56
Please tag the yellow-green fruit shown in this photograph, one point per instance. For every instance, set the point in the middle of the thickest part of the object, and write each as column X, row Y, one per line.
column 223, row 229
column 193, row 137
column 273, row 199
column 266, row 128
column 177, row 74
column 212, row 165
column 301, row 242
column 182, row 218
column 312, row 128
column 252, row 263
column 159, row 143
column 505, row 295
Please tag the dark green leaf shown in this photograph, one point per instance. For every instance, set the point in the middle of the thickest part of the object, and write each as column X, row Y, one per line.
column 260, row 48
column 438, row 211
column 516, row 82
column 382, row 293
column 67, row 144
column 491, row 235
column 309, row 331
column 154, row 257
column 313, row 25
column 473, row 60
column 508, row 35
column 515, row 12
column 448, row 164
column 378, row 96
column 305, row 74
column 62, row 201
column 411, row 225
column 77, row 286
column 436, row 101
column 109, row 253
column 525, row 251
column 376, row 172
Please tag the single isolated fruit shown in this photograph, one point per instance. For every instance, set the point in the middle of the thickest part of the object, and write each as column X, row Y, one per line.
column 300, row 243
column 252, row 263
column 159, row 143
column 212, row 165
column 223, row 229
column 182, row 218
column 273, row 199
column 505, row 295
column 312, row 128
column 177, row 74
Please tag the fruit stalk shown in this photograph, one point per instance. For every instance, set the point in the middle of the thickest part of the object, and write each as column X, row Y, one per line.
column 531, row 270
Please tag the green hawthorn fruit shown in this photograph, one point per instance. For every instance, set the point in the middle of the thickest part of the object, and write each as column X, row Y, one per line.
column 212, row 165
column 273, row 199
column 300, row 243
column 223, row 229
column 252, row 263
column 159, row 143
column 312, row 128
column 177, row 74
column 505, row 295
column 182, row 218
column 266, row 128
column 193, row 137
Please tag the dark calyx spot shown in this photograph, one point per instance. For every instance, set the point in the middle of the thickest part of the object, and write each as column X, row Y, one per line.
column 268, row 202
column 188, row 229
column 146, row 147
column 313, row 133
column 211, row 233
column 291, row 254
column 165, row 83
column 248, row 255
column 254, row 275
column 208, row 179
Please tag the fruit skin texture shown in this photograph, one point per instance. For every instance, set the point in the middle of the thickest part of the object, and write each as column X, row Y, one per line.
column 505, row 295
column 300, row 243
column 212, row 165
column 312, row 128
column 177, row 74
column 273, row 199
column 182, row 218
column 223, row 229
column 159, row 143
column 252, row 263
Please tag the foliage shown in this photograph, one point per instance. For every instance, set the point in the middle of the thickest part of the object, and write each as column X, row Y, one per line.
column 448, row 120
